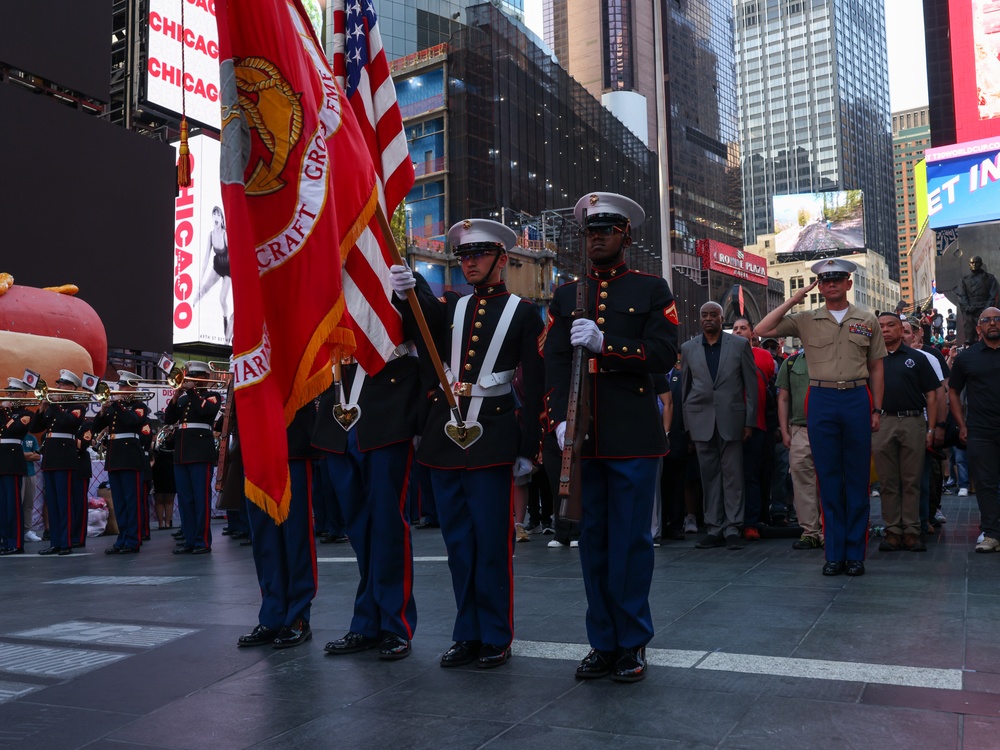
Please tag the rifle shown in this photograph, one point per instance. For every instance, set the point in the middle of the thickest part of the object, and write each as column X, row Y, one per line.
column 577, row 409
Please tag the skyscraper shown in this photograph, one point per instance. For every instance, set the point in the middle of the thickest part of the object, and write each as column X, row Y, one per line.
column 813, row 88
column 911, row 134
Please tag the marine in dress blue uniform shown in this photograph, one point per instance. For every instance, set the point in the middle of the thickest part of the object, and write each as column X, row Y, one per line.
column 127, row 423
column 194, row 409
column 15, row 421
column 285, row 553
column 60, row 462
column 844, row 347
column 631, row 334
column 368, row 454
column 483, row 338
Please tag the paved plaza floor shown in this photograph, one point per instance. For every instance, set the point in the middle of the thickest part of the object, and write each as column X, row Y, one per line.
column 753, row 649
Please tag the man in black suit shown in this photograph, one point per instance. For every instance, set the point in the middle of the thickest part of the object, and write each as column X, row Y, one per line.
column 630, row 333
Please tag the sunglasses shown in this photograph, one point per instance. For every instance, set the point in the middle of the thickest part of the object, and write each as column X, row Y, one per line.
column 987, row 319
column 603, row 231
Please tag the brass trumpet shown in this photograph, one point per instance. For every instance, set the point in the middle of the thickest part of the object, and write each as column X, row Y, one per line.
column 176, row 378
column 19, row 396
column 104, row 394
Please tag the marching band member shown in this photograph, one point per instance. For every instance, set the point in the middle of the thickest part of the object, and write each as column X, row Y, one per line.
column 491, row 333
column 127, row 422
column 15, row 421
column 193, row 409
column 60, row 461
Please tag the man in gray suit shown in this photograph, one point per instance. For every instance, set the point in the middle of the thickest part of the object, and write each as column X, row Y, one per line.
column 719, row 387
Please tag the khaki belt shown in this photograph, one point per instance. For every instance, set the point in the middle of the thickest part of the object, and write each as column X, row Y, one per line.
column 840, row 385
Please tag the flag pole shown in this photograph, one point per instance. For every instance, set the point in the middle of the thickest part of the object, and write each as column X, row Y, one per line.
column 425, row 332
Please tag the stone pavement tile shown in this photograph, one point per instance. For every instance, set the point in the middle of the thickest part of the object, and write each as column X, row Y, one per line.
column 765, row 638
column 150, row 679
column 29, row 724
column 522, row 736
column 756, row 684
column 931, row 699
column 984, row 605
column 106, row 744
column 982, row 644
column 980, row 733
column 773, row 723
column 982, row 682
column 363, row 728
column 746, row 593
column 462, row 693
column 220, row 721
column 645, row 710
column 802, row 571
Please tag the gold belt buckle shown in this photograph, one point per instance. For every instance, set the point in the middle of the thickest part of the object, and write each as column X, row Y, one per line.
column 841, row 385
column 462, row 389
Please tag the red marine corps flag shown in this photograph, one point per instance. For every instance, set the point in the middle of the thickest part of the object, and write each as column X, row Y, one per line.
column 300, row 190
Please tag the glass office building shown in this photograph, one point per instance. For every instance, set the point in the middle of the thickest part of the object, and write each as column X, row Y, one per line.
column 814, row 109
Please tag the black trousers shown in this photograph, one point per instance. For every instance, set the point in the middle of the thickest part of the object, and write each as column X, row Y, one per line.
column 984, row 466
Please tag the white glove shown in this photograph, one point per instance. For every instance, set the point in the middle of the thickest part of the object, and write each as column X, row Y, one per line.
column 400, row 279
column 522, row 466
column 561, row 435
column 586, row 333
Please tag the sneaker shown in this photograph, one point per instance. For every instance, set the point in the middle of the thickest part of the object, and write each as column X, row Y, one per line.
column 980, row 538
column 963, row 492
column 989, row 544
column 574, row 544
column 690, row 524
column 556, row 543
column 546, row 530
column 939, row 517
column 807, row 542
column 751, row 534
column 875, row 493
column 521, row 533
column 31, row 536
column 532, row 528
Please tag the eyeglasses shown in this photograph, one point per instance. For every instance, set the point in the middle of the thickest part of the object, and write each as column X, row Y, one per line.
column 477, row 256
column 994, row 319
column 603, row 231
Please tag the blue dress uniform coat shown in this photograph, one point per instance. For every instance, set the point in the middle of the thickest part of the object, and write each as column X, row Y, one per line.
column 368, row 467
column 194, row 413
column 81, row 483
column 127, row 424
column 60, row 463
column 285, row 555
column 14, row 425
column 638, row 317
column 473, row 486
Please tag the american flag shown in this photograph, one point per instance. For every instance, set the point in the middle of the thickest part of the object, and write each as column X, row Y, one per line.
column 361, row 68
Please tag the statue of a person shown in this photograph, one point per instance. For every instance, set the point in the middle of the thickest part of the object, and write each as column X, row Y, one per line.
column 978, row 290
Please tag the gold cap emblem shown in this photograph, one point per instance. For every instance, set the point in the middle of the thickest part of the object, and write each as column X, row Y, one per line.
column 594, row 199
column 467, row 224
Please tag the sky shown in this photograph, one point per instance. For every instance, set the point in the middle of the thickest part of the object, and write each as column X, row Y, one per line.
column 904, row 23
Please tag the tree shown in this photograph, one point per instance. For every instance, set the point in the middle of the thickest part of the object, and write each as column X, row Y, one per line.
column 398, row 226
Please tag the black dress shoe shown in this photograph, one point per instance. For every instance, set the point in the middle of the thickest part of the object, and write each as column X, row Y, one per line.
column 733, row 542
column 293, row 635
column 259, row 636
column 226, row 531
column 460, row 654
column 351, row 643
column 325, row 538
column 833, row 568
column 239, row 535
column 855, row 568
column 596, row 664
column 146, row 537
column 491, row 656
column 65, row 551
column 127, row 550
column 49, row 551
column 340, row 539
column 246, row 543
column 179, row 534
column 12, row 551
column 201, row 550
column 709, row 541
column 631, row 665
column 394, row 647
column 183, row 550
column 112, row 550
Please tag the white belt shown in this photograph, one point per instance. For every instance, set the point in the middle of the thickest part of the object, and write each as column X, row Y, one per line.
column 62, row 436
column 473, row 390
column 195, row 426
column 124, row 435
column 10, row 441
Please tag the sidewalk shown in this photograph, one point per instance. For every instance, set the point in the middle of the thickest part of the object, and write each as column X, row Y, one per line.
column 754, row 649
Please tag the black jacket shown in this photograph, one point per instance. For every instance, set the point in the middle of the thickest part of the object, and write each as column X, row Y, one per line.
column 194, row 445
column 119, row 417
column 59, row 453
column 14, row 425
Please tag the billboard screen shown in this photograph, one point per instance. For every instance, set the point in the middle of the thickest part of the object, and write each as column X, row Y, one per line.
column 975, row 54
column 188, row 51
column 810, row 222
column 963, row 183
column 203, row 290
